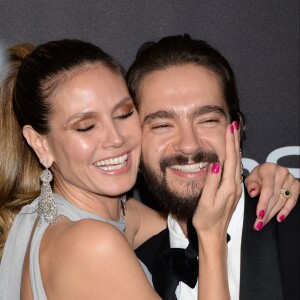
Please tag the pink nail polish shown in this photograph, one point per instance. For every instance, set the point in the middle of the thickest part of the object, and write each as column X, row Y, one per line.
column 231, row 129
column 215, row 168
column 251, row 191
column 261, row 214
column 259, row 226
column 236, row 125
column 281, row 218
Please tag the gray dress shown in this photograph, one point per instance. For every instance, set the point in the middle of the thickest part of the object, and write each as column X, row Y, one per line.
column 16, row 244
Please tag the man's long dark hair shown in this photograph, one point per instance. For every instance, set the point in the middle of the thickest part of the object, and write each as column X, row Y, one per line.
column 179, row 50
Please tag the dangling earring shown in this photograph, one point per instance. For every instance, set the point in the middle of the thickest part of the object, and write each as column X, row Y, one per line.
column 242, row 167
column 123, row 200
column 47, row 207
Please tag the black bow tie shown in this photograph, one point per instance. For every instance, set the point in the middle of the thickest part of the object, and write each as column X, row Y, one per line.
column 183, row 263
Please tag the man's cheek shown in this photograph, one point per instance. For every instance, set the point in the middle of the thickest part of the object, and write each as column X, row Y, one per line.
column 219, row 147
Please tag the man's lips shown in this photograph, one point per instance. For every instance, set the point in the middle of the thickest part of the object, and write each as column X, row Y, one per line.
column 190, row 167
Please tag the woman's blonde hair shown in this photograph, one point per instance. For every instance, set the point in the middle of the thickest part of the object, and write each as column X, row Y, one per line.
column 19, row 168
column 31, row 77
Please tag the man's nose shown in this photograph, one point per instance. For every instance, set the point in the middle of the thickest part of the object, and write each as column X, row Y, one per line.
column 188, row 141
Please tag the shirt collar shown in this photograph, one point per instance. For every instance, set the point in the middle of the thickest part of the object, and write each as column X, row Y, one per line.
column 178, row 238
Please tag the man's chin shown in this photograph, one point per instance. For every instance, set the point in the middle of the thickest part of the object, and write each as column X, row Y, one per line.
column 174, row 194
column 186, row 189
column 185, row 194
column 181, row 202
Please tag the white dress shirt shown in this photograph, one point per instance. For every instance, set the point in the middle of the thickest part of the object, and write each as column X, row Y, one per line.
column 179, row 240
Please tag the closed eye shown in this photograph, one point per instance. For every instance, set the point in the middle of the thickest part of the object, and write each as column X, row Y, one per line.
column 125, row 116
column 161, row 126
column 211, row 120
column 86, row 128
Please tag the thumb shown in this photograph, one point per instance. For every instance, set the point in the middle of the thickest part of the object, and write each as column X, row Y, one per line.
column 252, row 183
column 253, row 189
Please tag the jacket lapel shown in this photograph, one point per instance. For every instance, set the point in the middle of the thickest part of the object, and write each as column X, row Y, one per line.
column 260, row 267
column 163, row 281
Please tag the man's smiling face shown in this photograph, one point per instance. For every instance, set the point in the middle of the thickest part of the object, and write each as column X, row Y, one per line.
column 184, row 117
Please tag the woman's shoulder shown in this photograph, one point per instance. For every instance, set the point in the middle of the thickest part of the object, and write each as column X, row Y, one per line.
column 85, row 234
column 71, row 249
column 85, row 258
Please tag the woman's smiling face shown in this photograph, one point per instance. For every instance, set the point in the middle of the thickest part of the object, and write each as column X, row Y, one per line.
column 95, row 138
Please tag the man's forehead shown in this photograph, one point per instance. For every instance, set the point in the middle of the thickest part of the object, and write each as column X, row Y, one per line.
column 179, row 84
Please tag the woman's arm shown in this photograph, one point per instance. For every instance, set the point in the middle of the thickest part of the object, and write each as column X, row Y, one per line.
column 142, row 222
column 266, row 180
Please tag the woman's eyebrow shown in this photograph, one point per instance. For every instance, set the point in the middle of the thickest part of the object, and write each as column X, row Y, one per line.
column 123, row 101
column 91, row 114
column 81, row 115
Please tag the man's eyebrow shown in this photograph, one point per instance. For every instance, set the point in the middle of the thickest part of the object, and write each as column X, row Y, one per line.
column 160, row 114
column 202, row 110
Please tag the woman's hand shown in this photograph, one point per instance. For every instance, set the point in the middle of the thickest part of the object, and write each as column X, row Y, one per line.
column 221, row 191
column 267, row 180
column 220, row 195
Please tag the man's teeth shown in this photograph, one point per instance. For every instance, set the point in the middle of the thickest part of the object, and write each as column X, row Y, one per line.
column 112, row 163
column 190, row 168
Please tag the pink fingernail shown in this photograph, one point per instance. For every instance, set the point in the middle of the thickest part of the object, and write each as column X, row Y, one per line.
column 231, row 129
column 251, row 191
column 259, row 226
column 261, row 214
column 281, row 218
column 215, row 168
column 236, row 125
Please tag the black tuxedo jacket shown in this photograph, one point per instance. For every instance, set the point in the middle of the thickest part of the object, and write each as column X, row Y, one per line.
column 270, row 259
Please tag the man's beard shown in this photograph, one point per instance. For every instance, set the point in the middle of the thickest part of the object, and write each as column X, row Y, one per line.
column 182, row 205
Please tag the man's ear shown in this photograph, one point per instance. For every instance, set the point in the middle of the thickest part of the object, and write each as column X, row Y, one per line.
column 38, row 143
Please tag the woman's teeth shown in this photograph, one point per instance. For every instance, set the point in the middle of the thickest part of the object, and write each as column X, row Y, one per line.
column 112, row 163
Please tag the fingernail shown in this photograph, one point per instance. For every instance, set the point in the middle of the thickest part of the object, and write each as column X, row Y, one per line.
column 281, row 218
column 261, row 214
column 251, row 191
column 231, row 129
column 215, row 168
column 259, row 226
column 236, row 125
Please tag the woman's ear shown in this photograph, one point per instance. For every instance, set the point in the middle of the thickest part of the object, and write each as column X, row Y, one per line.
column 38, row 143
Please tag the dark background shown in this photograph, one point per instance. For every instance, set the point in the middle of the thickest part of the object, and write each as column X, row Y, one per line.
column 260, row 38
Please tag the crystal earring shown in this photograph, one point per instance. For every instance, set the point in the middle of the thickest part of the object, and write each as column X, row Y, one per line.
column 123, row 200
column 47, row 207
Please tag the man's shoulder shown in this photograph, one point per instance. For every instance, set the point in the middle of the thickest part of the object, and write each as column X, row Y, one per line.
column 277, row 245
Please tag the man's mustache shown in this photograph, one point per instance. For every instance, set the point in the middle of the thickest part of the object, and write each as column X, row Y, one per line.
column 200, row 156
